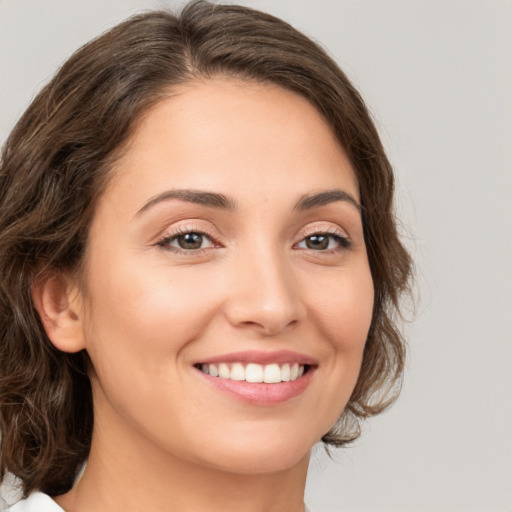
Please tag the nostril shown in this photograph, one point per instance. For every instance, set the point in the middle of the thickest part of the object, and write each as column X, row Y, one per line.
column 265, row 301
column 269, row 324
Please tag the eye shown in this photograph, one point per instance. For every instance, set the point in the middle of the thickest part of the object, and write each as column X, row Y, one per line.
column 187, row 241
column 323, row 242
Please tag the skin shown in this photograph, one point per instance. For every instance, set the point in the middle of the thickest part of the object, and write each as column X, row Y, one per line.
column 163, row 438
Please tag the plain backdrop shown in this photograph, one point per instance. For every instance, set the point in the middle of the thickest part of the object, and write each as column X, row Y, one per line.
column 437, row 75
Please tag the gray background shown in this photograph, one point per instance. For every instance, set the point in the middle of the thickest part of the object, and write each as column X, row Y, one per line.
column 437, row 75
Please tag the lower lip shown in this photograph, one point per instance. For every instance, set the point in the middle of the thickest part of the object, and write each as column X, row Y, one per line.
column 261, row 393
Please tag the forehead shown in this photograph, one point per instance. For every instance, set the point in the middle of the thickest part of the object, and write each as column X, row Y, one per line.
column 242, row 136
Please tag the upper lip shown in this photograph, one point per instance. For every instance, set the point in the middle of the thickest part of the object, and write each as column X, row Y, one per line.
column 262, row 357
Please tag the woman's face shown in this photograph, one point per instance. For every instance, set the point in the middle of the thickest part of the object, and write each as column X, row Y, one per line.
column 229, row 241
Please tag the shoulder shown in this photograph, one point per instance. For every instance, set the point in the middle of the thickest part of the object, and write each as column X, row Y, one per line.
column 36, row 502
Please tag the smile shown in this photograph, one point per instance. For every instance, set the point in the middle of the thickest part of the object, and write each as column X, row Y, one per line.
column 256, row 373
column 259, row 378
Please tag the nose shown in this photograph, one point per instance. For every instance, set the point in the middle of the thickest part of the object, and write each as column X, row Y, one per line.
column 264, row 295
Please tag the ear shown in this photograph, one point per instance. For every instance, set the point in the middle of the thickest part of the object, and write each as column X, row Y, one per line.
column 59, row 303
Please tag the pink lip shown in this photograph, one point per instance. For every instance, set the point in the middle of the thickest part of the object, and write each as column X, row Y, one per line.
column 262, row 357
column 262, row 394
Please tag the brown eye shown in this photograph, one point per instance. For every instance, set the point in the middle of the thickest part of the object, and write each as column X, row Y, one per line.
column 324, row 242
column 317, row 242
column 190, row 241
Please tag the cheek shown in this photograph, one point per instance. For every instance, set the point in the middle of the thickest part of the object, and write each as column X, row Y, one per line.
column 137, row 333
column 343, row 307
column 140, row 321
column 343, row 313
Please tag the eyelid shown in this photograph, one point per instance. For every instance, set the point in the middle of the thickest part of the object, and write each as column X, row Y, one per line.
column 334, row 231
column 194, row 226
column 327, row 230
column 189, row 227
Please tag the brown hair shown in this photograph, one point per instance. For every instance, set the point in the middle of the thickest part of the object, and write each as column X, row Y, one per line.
column 55, row 164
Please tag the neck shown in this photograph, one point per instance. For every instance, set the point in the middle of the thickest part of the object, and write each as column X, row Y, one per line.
column 185, row 486
column 131, row 474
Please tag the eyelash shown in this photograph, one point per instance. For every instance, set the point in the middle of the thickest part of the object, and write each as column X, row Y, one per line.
column 165, row 241
column 341, row 239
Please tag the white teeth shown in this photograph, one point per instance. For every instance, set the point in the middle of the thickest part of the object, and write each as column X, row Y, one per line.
column 237, row 372
column 270, row 373
column 285, row 372
column 254, row 373
column 224, row 372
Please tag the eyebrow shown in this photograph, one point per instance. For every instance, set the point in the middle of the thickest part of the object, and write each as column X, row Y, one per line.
column 211, row 199
column 222, row 202
column 308, row 201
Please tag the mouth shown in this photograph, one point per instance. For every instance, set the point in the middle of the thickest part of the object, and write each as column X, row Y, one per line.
column 259, row 378
column 273, row 373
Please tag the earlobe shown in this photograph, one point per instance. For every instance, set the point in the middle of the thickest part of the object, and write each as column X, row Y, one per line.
column 58, row 302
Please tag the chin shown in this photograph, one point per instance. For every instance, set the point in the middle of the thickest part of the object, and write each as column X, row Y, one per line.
column 261, row 454
column 258, row 463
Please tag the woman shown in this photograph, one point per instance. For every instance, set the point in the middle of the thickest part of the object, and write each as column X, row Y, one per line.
column 200, row 269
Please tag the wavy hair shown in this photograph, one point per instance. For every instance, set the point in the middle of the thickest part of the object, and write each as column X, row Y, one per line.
column 56, row 163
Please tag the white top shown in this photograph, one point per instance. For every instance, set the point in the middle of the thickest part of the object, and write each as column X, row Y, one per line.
column 36, row 502
column 39, row 502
